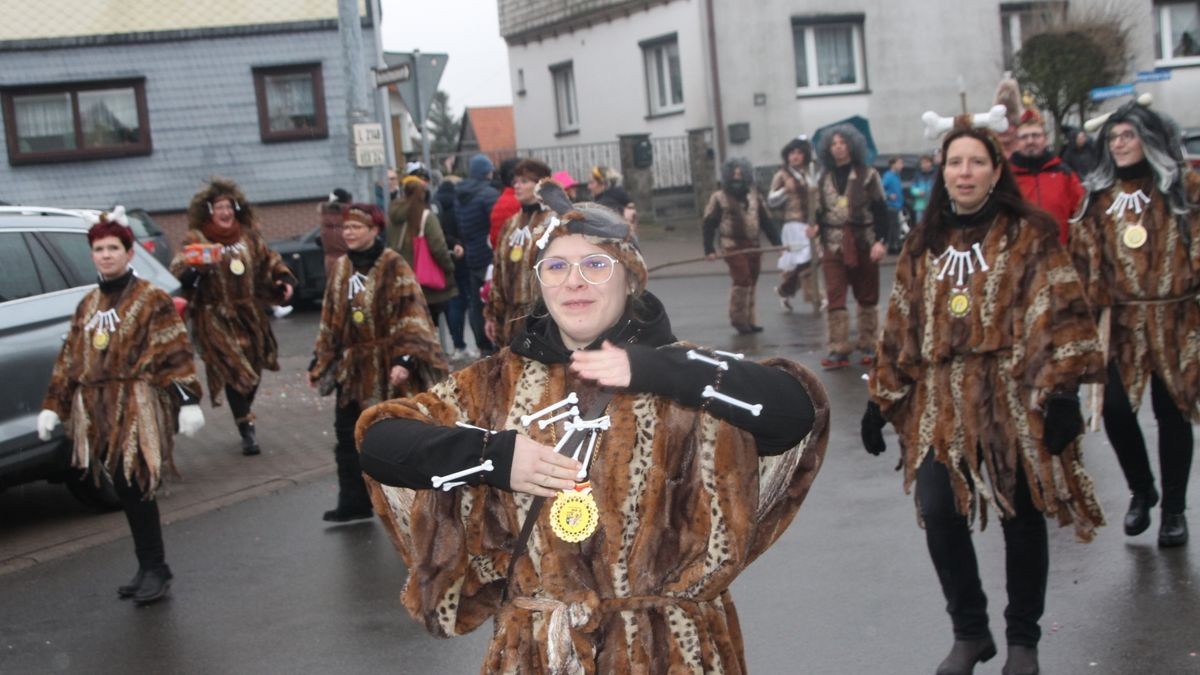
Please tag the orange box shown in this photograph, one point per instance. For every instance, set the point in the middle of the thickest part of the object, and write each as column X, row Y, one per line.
column 202, row 254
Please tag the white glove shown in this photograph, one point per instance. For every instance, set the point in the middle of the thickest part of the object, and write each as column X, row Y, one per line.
column 46, row 421
column 191, row 420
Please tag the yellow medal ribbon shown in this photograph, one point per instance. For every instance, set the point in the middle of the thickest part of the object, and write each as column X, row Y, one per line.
column 573, row 515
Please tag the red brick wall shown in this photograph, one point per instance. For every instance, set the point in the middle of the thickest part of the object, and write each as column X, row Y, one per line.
column 278, row 221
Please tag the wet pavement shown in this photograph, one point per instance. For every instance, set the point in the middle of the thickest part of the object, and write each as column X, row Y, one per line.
column 262, row 585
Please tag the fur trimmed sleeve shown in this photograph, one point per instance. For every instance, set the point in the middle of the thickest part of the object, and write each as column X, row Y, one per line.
column 333, row 318
column 411, row 331
column 1084, row 245
column 172, row 367
column 65, row 378
column 897, row 351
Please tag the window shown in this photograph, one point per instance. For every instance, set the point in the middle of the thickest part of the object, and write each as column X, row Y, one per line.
column 664, row 81
column 80, row 121
column 291, row 103
column 76, row 253
column 1177, row 32
column 18, row 276
column 564, row 97
column 829, row 55
column 1020, row 21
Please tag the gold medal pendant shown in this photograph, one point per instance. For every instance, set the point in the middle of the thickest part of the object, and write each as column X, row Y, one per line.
column 516, row 253
column 358, row 316
column 100, row 340
column 960, row 302
column 1134, row 236
column 842, row 202
column 573, row 515
column 237, row 267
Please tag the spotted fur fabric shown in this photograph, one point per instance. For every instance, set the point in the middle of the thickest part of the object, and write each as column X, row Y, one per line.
column 395, row 323
column 120, row 403
column 737, row 225
column 834, row 211
column 513, row 293
column 969, row 389
column 227, row 312
column 685, row 505
column 1147, row 337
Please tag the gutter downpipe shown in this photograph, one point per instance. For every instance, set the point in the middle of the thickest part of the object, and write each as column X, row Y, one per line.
column 718, row 115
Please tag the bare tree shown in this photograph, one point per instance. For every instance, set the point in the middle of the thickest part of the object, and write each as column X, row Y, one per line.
column 1061, row 65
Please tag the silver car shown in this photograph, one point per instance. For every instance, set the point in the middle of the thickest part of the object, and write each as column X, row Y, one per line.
column 45, row 270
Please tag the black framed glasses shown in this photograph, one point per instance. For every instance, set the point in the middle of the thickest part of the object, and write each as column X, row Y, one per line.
column 595, row 269
column 1126, row 135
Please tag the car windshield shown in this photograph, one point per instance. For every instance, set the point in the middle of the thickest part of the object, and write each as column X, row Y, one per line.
column 1192, row 144
column 142, row 226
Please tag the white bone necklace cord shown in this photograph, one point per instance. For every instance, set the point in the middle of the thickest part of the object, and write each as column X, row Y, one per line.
column 959, row 266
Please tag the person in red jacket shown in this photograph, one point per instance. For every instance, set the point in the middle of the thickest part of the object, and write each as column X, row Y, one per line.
column 1043, row 178
column 508, row 204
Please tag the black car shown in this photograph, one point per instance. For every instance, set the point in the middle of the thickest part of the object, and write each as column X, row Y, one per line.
column 304, row 255
column 45, row 270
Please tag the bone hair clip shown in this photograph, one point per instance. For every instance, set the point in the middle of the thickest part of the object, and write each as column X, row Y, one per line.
column 754, row 408
column 441, row 481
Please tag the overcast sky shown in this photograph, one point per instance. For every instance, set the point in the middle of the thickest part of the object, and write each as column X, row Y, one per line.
column 469, row 31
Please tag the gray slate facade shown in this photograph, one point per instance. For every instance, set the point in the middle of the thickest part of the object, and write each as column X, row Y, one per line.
column 203, row 116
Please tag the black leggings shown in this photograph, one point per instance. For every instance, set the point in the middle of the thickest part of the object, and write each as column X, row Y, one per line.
column 144, row 523
column 1174, row 440
column 1026, row 552
column 352, row 489
column 239, row 403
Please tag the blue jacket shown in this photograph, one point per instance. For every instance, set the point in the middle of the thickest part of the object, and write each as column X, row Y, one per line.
column 893, row 186
column 473, row 210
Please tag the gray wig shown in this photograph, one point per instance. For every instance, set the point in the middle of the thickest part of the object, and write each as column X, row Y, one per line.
column 731, row 165
column 1162, row 145
column 853, row 138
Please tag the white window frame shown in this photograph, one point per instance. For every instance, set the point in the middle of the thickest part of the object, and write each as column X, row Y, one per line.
column 810, row 56
column 656, row 54
column 1010, row 17
column 1164, row 47
column 566, row 105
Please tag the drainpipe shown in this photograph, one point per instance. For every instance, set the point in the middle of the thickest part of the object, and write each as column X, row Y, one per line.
column 718, row 115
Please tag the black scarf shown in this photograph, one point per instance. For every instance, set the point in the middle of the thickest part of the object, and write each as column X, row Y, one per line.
column 1137, row 171
column 366, row 258
column 984, row 215
column 116, row 284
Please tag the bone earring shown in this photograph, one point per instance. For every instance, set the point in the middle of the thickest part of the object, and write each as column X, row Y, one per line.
column 236, row 206
column 210, row 209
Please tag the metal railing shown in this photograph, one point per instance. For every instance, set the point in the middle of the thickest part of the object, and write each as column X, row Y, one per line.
column 672, row 162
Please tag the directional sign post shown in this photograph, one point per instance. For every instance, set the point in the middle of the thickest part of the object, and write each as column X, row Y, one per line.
column 397, row 74
column 418, row 87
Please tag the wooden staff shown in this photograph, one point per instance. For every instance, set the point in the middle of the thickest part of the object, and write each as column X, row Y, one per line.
column 744, row 251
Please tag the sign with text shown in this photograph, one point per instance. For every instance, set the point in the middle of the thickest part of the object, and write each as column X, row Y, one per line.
column 370, row 155
column 400, row 73
column 1115, row 91
column 1153, row 75
column 417, row 91
column 368, row 133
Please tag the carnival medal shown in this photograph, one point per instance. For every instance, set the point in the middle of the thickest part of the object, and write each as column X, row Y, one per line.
column 573, row 515
column 237, row 266
column 103, row 323
column 842, row 202
column 518, row 241
column 100, row 340
column 960, row 265
column 1134, row 236
column 960, row 302
column 358, row 316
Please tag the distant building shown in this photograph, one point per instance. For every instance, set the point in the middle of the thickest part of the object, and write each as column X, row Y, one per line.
column 585, row 71
column 488, row 130
column 137, row 103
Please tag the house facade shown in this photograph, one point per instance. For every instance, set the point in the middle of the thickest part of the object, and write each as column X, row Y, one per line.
column 586, row 71
column 137, row 103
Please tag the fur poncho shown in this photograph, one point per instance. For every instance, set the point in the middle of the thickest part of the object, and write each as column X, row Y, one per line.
column 512, row 293
column 969, row 388
column 395, row 324
column 120, row 403
column 685, row 503
column 1152, row 290
column 228, row 314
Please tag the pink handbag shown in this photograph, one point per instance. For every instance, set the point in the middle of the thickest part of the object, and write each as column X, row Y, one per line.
column 429, row 274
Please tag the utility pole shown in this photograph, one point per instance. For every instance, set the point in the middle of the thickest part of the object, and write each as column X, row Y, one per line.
column 357, row 101
column 420, row 111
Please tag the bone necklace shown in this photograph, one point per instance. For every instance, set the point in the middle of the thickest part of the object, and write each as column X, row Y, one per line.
column 1133, row 235
column 960, row 265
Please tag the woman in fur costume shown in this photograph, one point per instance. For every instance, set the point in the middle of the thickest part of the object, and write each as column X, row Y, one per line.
column 226, row 298
column 375, row 341
column 1137, row 248
column 124, row 384
column 663, row 488
column 511, row 295
column 988, row 336
column 793, row 191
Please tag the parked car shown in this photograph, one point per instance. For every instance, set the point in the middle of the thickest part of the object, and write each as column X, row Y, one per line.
column 304, row 255
column 146, row 232
column 1191, row 148
column 45, row 270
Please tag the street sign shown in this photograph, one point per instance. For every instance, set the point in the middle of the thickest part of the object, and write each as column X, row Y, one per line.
column 370, row 155
column 1153, row 75
column 1115, row 91
column 426, row 75
column 368, row 133
column 400, row 73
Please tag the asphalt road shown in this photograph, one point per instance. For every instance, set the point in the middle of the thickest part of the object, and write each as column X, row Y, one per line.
column 263, row 586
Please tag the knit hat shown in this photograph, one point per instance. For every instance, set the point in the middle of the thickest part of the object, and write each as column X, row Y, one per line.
column 564, row 179
column 479, row 167
column 600, row 225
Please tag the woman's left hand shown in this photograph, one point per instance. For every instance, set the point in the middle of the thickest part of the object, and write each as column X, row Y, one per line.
column 398, row 375
column 287, row 293
column 608, row 365
column 878, row 250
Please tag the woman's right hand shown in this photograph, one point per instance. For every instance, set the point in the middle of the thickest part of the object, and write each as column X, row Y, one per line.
column 540, row 471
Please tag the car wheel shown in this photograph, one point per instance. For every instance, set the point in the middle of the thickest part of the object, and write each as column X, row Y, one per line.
column 100, row 496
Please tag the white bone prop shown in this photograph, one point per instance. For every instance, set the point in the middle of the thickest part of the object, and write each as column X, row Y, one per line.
column 1093, row 125
column 995, row 119
column 446, row 487
column 573, row 412
column 694, row 355
column 464, row 425
column 117, row 215
column 732, row 355
column 578, row 424
column 550, row 225
column 439, row 480
column 755, row 409
column 520, row 237
column 587, row 457
column 958, row 262
column 105, row 322
column 1126, row 200
column 571, row 399
column 357, row 285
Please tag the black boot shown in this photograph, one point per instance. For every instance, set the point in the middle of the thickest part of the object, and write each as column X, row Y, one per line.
column 354, row 503
column 1137, row 519
column 249, row 442
column 965, row 654
column 1173, row 530
column 1022, row 660
column 130, row 589
column 155, row 584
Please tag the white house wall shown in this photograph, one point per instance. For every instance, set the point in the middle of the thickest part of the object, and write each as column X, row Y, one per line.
column 610, row 81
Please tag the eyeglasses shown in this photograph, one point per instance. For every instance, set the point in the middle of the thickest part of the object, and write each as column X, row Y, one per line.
column 1125, row 136
column 1036, row 135
column 595, row 269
